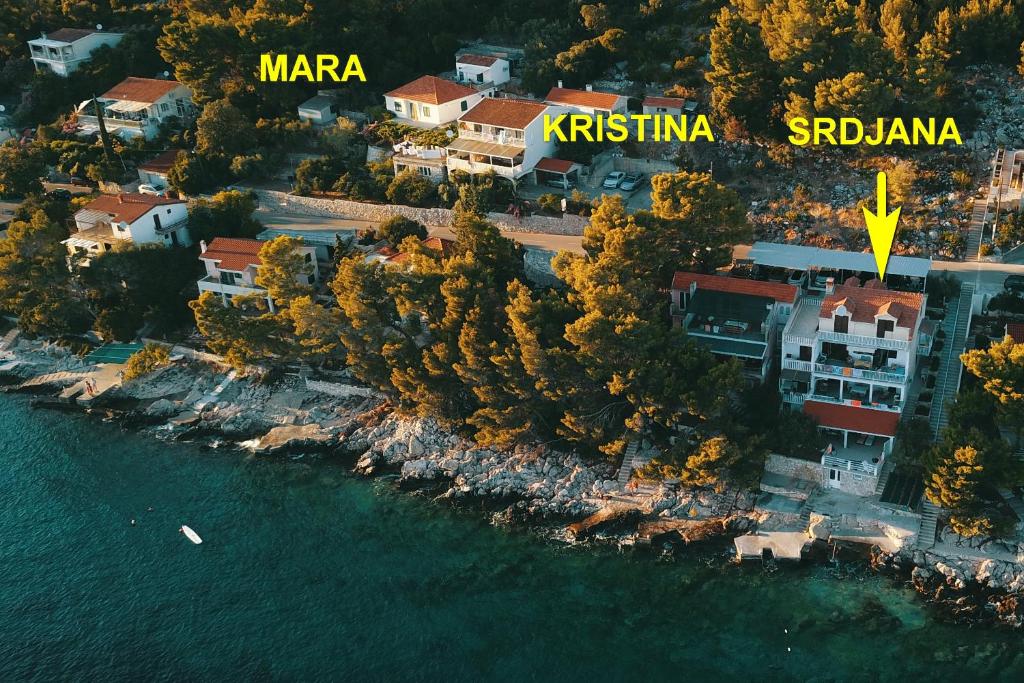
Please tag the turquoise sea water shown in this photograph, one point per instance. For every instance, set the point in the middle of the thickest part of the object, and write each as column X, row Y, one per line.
column 310, row 574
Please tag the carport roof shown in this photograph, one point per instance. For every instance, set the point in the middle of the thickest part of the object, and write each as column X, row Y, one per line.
column 799, row 257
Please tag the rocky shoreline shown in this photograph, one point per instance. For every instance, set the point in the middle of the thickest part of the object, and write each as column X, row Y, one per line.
column 572, row 499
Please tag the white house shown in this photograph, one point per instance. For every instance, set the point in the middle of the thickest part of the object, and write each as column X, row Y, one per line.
column 65, row 49
column 231, row 267
column 427, row 160
column 501, row 135
column 110, row 220
column 136, row 107
column 587, row 101
column 154, row 172
column 672, row 106
column 481, row 70
column 848, row 360
column 431, row 101
column 319, row 110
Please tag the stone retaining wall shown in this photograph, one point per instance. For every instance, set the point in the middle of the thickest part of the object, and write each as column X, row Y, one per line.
column 789, row 466
column 375, row 213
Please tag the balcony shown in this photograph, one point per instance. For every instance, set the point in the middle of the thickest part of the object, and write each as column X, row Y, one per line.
column 858, row 466
column 836, row 368
column 508, row 138
column 867, row 342
column 482, row 167
column 168, row 229
column 212, row 283
column 801, row 365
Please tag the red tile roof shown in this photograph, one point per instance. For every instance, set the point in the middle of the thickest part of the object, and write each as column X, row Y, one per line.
column 1016, row 332
column 476, row 60
column 232, row 253
column 128, row 207
column 69, row 35
column 554, row 165
column 445, row 246
column 864, row 420
column 666, row 102
column 504, row 112
column 432, row 90
column 864, row 303
column 134, row 89
column 779, row 291
column 582, row 98
column 162, row 162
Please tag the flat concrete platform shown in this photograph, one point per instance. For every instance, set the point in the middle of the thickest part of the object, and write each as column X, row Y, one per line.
column 784, row 545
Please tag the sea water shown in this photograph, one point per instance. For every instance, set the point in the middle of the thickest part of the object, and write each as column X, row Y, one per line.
column 308, row 573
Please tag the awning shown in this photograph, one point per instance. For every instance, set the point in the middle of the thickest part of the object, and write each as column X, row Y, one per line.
column 79, row 242
column 731, row 347
column 127, row 106
column 481, row 147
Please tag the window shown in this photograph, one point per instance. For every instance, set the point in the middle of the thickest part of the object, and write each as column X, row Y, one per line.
column 480, row 78
column 424, row 171
column 883, row 327
column 164, row 106
column 425, row 110
column 308, row 258
column 842, row 324
column 464, row 105
column 398, row 106
column 227, row 278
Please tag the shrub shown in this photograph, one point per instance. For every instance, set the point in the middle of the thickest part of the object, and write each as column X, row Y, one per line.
column 146, row 360
column 411, row 189
column 397, row 228
column 550, row 202
column 985, row 250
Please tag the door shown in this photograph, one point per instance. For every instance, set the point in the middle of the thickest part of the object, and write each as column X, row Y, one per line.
column 156, row 221
column 834, row 478
column 174, row 239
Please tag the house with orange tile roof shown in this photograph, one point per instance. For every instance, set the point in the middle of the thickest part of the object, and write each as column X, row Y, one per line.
column 136, row 107
column 64, row 50
column 586, row 101
column 127, row 218
column 430, row 101
column 672, row 106
column 232, row 264
column 503, row 135
column 734, row 318
column 848, row 361
column 481, row 71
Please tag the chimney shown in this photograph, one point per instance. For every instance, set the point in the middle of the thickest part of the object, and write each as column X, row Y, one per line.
column 120, row 198
column 202, row 246
column 559, row 83
column 830, row 285
column 590, row 88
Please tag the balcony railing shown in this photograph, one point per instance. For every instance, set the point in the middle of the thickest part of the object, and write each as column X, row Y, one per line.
column 793, row 397
column 793, row 364
column 859, row 340
column 858, row 466
column 859, row 373
column 797, row 339
column 480, row 167
column 856, row 403
column 506, row 139
column 168, row 229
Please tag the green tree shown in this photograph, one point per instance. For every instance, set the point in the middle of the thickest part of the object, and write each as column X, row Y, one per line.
column 147, row 359
column 411, row 189
column 222, row 129
column 1001, row 370
column 226, row 214
column 284, row 270
column 742, row 75
column 20, row 170
column 956, row 485
column 853, row 95
column 397, row 228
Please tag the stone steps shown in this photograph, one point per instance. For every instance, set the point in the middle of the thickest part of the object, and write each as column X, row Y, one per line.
column 929, row 519
column 947, row 382
column 628, row 463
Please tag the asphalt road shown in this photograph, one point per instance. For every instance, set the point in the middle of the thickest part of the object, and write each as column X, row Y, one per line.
column 988, row 277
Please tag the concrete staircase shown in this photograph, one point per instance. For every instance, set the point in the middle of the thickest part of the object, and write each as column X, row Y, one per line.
column 975, row 228
column 929, row 519
column 883, row 477
column 629, row 463
column 54, row 378
column 947, row 383
column 8, row 339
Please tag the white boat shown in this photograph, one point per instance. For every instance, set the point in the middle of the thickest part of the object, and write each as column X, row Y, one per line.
column 192, row 536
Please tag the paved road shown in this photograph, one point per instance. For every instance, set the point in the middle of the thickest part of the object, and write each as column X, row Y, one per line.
column 987, row 277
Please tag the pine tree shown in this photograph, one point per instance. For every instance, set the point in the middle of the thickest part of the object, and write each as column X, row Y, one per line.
column 742, row 76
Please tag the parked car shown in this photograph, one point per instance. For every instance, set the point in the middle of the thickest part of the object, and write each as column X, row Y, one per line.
column 60, row 194
column 81, row 182
column 614, row 179
column 152, row 189
column 632, row 181
column 561, row 184
column 1014, row 283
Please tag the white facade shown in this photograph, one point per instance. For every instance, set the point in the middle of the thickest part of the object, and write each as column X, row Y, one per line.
column 488, row 143
column 587, row 101
column 482, row 69
column 426, row 114
column 64, row 51
column 101, row 226
column 232, row 273
column 428, row 162
column 139, row 112
column 318, row 110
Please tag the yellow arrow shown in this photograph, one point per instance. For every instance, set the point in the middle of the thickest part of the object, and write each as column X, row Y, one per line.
column 881, row 228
